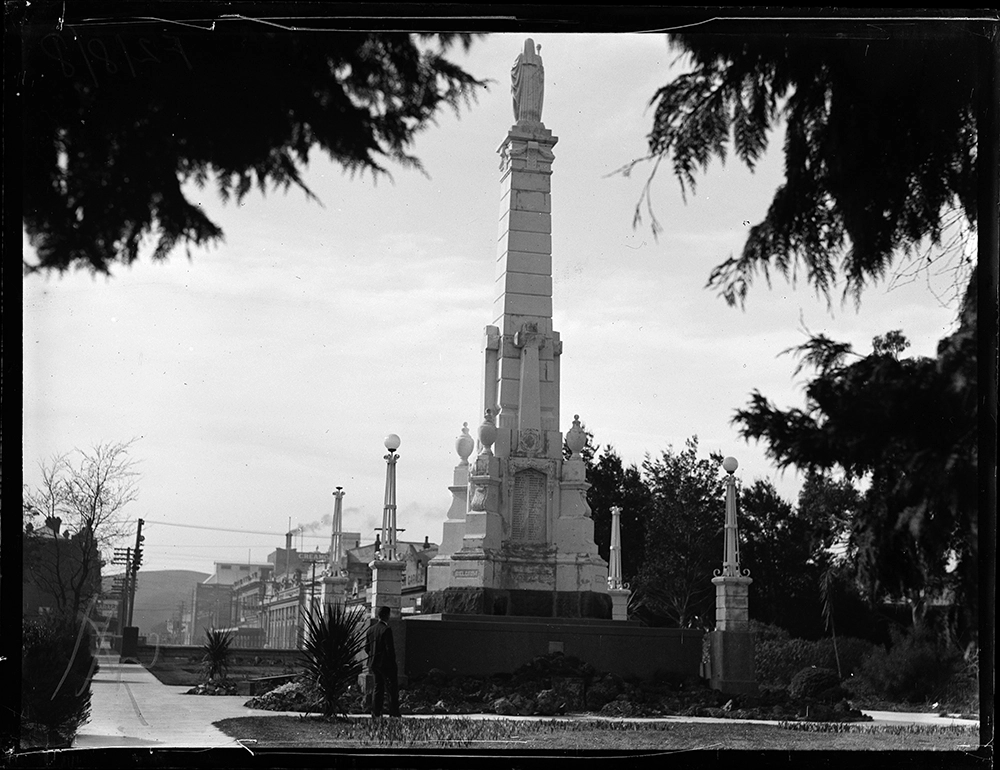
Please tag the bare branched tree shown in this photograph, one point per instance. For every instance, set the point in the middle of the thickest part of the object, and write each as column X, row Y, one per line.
column 85, row 495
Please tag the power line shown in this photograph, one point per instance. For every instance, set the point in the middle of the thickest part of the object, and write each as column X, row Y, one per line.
column 242, row 531
column 209, row 545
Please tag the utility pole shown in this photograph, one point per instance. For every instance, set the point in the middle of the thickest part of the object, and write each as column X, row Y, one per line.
column 136, row 561
column 121, row 585
column 130, row 634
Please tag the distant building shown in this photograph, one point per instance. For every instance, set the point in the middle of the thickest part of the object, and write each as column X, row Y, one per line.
column 54, row 567
column 265, row 604
column 288, row 600
column 213, row 604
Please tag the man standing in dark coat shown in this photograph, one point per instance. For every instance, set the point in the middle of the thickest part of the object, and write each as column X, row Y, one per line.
column 382, row 664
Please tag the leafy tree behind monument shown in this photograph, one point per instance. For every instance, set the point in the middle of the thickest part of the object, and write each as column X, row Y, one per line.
column 881, row 158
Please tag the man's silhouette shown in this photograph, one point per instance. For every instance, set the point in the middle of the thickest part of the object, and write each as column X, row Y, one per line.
column 382, row 664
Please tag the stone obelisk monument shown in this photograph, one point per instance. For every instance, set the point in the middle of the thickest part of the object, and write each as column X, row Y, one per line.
column 527, row 539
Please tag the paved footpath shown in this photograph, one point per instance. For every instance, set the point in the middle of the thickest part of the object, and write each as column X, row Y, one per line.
column 131, row 708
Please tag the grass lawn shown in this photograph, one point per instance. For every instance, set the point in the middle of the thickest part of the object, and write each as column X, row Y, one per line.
column 281, row 732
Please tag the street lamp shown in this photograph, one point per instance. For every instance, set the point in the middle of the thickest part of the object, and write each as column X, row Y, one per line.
column 389, row 511
column 731, row 560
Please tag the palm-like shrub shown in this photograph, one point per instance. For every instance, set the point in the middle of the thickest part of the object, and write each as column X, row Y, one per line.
column 56, row 669
column 215, row 662
column 332, row 651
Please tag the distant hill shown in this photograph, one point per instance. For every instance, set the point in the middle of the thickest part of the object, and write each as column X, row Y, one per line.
column 159, row 595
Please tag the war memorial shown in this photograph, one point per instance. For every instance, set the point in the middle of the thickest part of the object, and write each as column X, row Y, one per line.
column 518, row 573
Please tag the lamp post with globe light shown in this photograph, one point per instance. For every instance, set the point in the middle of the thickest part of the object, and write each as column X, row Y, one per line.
column 389, row 509
column 387, row 570
column 730, row 665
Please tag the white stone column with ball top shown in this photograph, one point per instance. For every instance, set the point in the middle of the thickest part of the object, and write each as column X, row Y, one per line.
column 732, row 655
column 617, row 589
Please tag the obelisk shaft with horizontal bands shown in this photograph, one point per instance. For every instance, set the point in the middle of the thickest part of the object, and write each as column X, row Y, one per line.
column 527, row 540
column 526, row 392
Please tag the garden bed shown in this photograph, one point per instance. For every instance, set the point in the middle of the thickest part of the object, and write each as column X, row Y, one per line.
column 554, row 685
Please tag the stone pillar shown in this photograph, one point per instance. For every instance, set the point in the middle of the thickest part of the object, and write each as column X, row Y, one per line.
column 732, row 603
column 334, row 590
column 617, row 590
column 619, row 603
column 732, row 667
column 387, row 586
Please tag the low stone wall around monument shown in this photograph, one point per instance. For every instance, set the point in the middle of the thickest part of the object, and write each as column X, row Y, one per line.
column 483, row 645
column 189, row 654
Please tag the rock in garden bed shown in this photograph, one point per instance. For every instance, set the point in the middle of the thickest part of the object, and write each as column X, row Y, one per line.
column 223, row 687
column 292, row 696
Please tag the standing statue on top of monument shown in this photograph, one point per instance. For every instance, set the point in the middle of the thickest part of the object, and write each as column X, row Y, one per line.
column 527, row 84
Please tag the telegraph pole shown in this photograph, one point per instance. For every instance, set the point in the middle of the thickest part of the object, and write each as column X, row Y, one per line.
column 136, row 561
column 130, row 634
column 120, row 588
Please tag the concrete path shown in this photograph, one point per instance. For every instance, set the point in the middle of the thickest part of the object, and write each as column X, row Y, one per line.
column 131, row 708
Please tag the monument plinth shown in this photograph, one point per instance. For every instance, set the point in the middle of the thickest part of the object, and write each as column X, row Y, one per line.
column 527, row 536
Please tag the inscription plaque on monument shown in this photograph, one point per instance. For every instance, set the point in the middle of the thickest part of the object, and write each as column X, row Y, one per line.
column 528, row 509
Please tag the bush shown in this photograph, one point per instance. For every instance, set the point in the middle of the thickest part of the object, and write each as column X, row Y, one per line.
column 778, row 658
column 56, row 669
column 812, row 682
column 332, row 649
column 767, row 632
column 917, row 668
column 215, row 661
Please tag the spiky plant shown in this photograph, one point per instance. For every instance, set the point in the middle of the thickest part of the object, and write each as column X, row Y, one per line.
column 332, row 650
column 215, row 662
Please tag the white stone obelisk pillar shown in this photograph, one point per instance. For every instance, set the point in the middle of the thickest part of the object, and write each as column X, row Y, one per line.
column 617, row 589
column 335, row 583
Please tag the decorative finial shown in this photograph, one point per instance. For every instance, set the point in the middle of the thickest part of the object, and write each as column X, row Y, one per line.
column 464, row 444
column 576, row 438
column 488, row 432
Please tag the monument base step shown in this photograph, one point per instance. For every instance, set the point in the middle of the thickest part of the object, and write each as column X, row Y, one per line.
column 518, row 603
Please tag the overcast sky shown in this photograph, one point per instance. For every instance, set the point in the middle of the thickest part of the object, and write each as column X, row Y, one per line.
column 261, row 374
